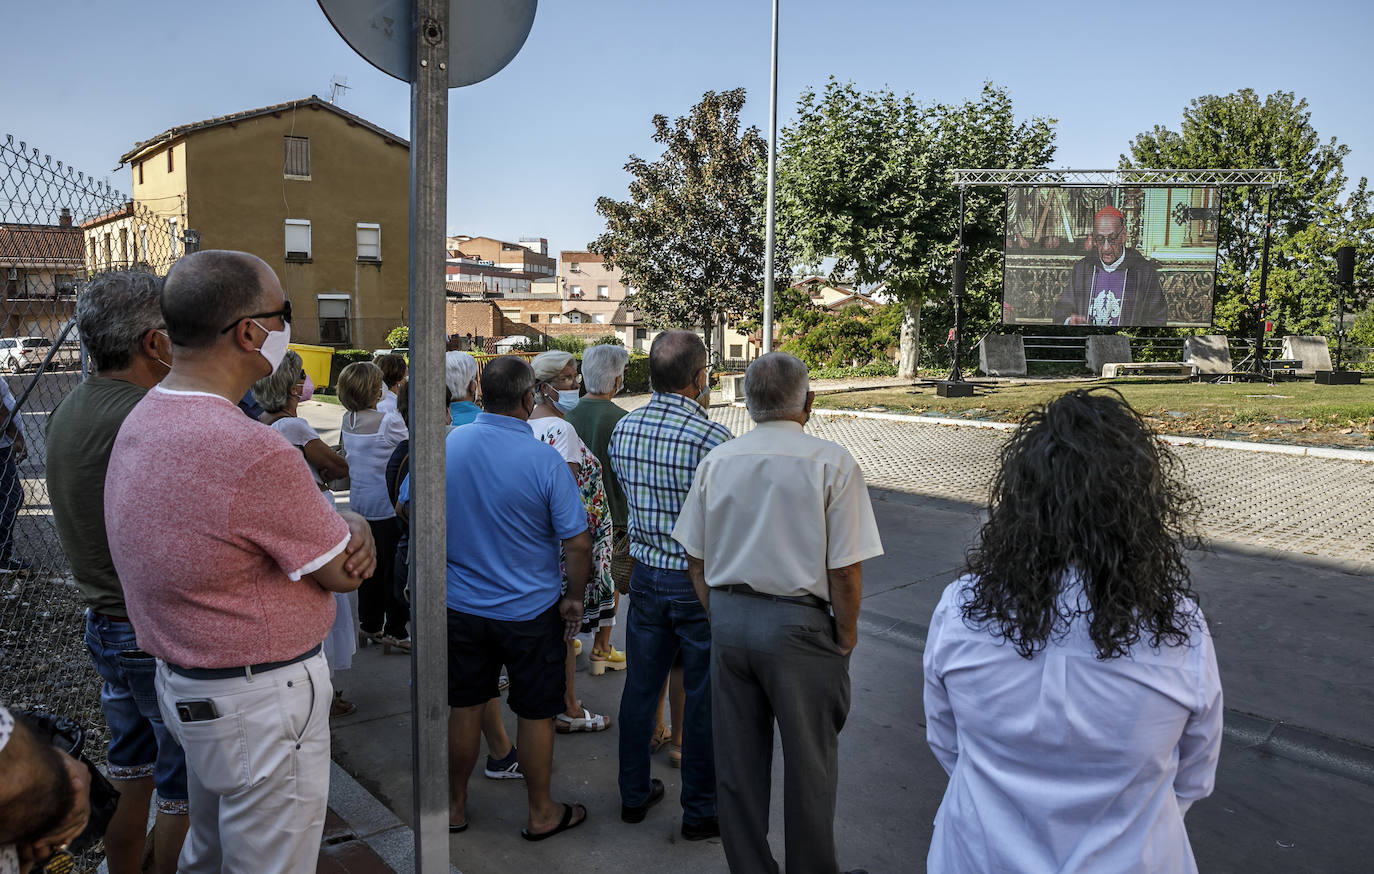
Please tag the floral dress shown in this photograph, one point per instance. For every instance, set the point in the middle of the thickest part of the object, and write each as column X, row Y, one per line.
column 598, row 608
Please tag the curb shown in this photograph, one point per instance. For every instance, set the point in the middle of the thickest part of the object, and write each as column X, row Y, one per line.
column 372, row 822
column 1342, row 758
column 1365, row 456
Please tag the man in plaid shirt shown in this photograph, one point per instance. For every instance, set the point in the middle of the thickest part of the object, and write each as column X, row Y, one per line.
column 655, row 451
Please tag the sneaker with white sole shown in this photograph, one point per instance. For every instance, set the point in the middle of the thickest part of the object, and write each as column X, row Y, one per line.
column 504, row 769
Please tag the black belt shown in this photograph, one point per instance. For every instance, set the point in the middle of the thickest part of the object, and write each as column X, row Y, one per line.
column 807, row 600
column 245, row 671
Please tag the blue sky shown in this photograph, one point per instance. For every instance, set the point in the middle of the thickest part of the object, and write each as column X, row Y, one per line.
column 532, row 148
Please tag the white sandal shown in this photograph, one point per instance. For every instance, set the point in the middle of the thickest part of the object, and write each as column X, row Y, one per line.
column 588, row 721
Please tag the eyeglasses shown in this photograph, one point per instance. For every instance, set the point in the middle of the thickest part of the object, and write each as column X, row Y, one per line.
column 284, row 312
column 1102, row 240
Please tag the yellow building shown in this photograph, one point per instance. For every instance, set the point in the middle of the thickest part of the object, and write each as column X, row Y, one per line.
column 318, row 193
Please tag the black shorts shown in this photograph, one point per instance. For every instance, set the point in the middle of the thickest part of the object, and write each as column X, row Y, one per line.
column 533, row 652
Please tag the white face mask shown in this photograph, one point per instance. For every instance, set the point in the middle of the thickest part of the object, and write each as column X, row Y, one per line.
column 274, row 344
column 567, row 399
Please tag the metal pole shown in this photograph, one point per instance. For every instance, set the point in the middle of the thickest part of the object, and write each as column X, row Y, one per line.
column 772, row 189
column 1264, row 283
column 956, row 371
column 428, row 214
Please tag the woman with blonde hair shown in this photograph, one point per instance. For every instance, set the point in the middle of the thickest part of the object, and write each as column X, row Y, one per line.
column 555, row 392
column 369, row 438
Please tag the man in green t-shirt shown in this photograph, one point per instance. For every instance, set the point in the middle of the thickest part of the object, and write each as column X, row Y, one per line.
column 119, row 317
column 594, row 418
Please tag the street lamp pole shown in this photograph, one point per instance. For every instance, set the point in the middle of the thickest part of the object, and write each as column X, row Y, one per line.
column 772, row 191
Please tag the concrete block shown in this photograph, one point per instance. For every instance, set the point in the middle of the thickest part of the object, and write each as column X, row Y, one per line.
column 1108, row 349
column 732, row 387
column 1312, row 351
column 1209, row 353
column 1002, row 355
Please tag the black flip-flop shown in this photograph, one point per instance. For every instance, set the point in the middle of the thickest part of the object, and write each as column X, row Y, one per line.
column 563, row 826
column 455, row 829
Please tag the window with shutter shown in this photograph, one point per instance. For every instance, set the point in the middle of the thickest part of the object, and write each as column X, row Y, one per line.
column 297, row 239
column 297, row 149
column 334, row 321
column 369, row 242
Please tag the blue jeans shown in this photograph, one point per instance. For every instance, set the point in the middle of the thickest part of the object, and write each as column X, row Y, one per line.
column 666, row 617
column 139, row 743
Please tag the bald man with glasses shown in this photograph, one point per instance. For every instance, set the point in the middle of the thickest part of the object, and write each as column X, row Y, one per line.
column 1112, row 285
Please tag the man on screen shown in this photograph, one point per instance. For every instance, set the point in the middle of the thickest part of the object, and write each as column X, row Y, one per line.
column 1113, row 285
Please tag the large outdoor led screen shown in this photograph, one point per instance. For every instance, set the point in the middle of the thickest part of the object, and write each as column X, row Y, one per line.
column 1144, row 257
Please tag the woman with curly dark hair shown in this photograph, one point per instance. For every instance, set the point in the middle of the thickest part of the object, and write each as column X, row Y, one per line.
column 1071, row 687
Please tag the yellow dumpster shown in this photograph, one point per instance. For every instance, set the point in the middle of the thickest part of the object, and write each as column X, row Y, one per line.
column 315, row 360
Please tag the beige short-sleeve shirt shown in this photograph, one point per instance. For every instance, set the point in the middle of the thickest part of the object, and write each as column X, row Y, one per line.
column 775, row 509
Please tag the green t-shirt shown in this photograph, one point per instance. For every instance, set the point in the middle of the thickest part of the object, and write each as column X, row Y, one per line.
column 594, row 420
column 81, row 432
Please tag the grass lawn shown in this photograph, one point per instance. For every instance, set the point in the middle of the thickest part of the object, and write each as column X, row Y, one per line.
column 1286, row 412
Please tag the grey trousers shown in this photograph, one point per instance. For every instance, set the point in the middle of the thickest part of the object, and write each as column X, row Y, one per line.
column 776, row 661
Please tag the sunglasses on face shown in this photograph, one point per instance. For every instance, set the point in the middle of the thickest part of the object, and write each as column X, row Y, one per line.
column 284, row 312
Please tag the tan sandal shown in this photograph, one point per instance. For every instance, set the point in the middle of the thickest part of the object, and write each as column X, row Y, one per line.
column 675, row 756
column 661, row 738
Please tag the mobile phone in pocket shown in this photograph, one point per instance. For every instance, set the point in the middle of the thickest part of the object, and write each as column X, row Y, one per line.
column 196, row 710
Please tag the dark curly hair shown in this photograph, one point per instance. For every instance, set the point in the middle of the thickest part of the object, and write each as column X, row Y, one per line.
column 1083, row 484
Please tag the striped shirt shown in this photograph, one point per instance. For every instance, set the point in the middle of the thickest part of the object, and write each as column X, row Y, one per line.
column 655, row 451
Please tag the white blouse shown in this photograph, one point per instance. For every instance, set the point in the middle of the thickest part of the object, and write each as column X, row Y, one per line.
column 367, row 456
column 1064, row 762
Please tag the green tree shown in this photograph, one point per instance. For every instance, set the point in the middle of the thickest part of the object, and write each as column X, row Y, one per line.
column 398, row 338
column 1309, row 219
column 865, row 178
column 690, row 238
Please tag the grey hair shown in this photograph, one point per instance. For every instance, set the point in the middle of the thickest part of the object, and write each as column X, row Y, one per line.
column 547, row 365
column 775, row 387
column 460, row 369
column 601, row 365
column 114, row 313
column 274, row 391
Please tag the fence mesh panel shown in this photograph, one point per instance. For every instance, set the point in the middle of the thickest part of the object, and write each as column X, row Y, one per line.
column 59, row 228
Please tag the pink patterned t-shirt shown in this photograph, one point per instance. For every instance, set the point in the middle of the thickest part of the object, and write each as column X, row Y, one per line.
column 215, row 524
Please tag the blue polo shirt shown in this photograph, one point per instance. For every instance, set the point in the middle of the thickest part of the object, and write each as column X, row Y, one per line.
column 511, row 502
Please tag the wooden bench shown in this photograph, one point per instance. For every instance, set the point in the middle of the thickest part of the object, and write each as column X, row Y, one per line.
column 1176, row 369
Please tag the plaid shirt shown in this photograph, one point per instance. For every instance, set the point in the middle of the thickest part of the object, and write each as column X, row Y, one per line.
column 655, row 451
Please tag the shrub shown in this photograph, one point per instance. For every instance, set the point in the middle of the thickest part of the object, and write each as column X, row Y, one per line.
column 344, row 357
column 637, row 373
column 866, row 371
column 399, row 338
column 564, row 344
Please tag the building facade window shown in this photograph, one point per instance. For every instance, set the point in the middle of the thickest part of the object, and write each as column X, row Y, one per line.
column 534, row 318
column 736, row 350
column 297, row 239
column 575, row 292
column 369, row 241
column 143, row 243
column 603, row 292
column 297, row 157
column 140, row 172
column 334, row 320
column 599, row 318
column 172, row 238
column 169, row 159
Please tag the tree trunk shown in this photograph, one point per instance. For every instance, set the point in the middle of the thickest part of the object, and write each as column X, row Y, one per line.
column 909, row 354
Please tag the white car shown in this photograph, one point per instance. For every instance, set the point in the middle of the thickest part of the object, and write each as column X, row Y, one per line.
column 18, row 354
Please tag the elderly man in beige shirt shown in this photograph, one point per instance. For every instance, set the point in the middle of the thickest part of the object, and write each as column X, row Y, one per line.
column 776, row 526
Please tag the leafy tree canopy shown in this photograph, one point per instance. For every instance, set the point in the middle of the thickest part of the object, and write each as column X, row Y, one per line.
column 1309, row 217
column 690, row 238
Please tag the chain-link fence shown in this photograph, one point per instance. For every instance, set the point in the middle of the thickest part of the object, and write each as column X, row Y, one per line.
column 58, row 229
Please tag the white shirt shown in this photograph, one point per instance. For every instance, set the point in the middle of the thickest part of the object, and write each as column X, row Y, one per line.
column 1064, row 762
column 367, row 457
column 7, row 399
column 560, row 435
column 298, row 433
column 775, row 509
column 388, row 402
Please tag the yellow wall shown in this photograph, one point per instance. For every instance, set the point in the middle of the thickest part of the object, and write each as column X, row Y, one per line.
column 161, row 196
column 237, row 196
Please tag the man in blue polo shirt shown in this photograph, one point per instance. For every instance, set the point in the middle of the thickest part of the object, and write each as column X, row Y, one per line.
column 505, row 605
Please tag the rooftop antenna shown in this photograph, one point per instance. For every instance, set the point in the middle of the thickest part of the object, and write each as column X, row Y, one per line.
column 337, row 86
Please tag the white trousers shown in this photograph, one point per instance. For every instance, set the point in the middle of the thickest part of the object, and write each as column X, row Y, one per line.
column 258, row 776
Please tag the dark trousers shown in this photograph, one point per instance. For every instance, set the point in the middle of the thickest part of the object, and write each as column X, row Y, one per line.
column 774, row 661
column 666, row 618
column 380, row 605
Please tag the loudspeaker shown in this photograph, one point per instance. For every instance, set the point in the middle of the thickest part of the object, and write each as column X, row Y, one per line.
column 957, row 274
column 1345, row 265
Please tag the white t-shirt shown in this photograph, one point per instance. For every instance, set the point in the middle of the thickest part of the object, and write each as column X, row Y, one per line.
column 7, row 398
column 367, row 457
column 1066, row 762
column 388, row 402
column 298, row 432
column 559, row 434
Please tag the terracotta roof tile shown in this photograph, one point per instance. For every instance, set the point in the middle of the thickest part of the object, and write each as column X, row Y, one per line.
column 41, row 246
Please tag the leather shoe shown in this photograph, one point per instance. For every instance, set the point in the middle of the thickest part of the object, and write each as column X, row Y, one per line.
column 700, row 831
column 857, row 871
column 636, row 814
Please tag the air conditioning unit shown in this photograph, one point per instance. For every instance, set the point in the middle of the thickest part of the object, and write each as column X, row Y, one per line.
column 14, row 273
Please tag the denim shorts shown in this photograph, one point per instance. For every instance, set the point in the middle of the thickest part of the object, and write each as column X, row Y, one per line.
column 139, row 743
